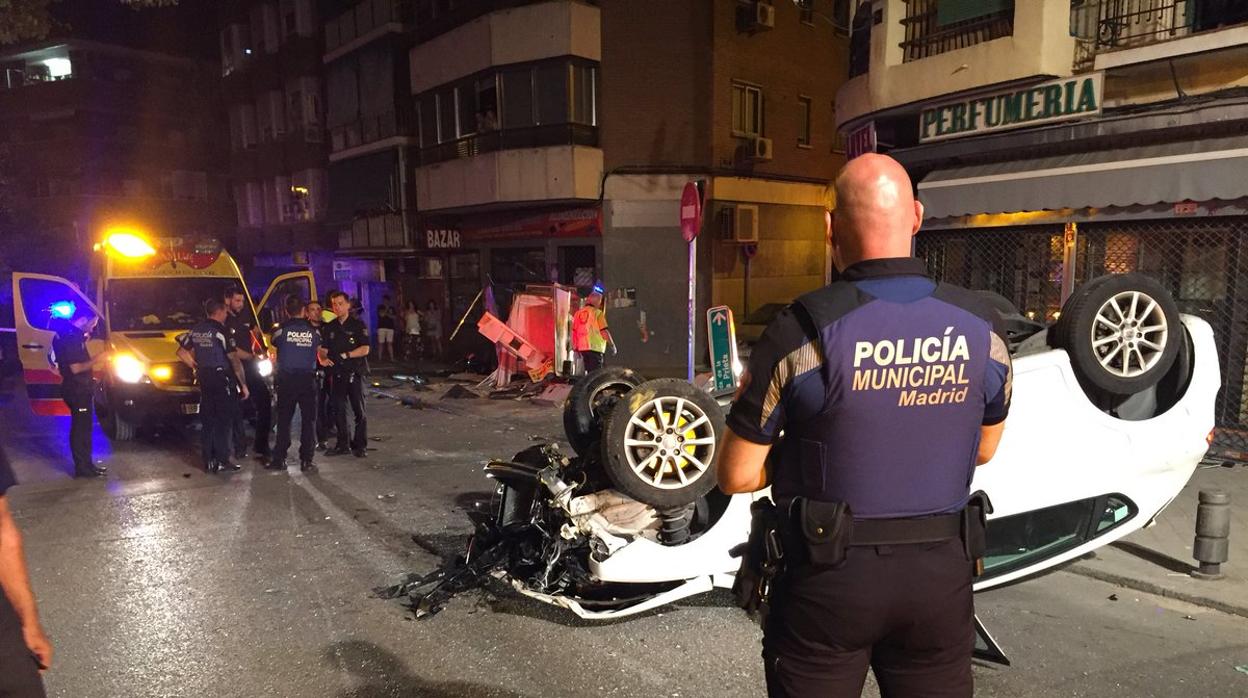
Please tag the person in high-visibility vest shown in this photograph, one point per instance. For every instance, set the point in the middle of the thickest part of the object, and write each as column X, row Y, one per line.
column 590, row 336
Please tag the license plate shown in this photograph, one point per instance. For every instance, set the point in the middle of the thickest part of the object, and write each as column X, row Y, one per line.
column 190, row 409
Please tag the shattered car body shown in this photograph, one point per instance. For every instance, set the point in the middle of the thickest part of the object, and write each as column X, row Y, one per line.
column 1077, row 468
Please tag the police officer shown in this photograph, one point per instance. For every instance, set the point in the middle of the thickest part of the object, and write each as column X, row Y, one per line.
column 890, row 389
column 297, row 348
column 208, row 350
column 313, row 313
column 76, row 364
column 346, row 344
column 249, row 348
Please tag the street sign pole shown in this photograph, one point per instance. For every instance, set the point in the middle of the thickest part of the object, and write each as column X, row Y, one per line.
column 690, row 225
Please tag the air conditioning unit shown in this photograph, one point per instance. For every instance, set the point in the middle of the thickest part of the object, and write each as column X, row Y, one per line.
column 755, row 15
column 759, row 149
column 764, row 15
column 739, row 223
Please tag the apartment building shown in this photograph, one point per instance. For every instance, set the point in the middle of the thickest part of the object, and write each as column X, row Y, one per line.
column 94, row 134
column 271, row 80
column 1054, row 141
column 555, row 138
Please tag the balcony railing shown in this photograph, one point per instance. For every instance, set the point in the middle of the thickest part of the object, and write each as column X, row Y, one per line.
column 511, row 139
column 378, row 231
column 364, row 18
column 934, row 26
column 1106, row 25
column 369, row 129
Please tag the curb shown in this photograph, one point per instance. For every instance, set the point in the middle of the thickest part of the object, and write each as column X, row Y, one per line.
column 1158, row 590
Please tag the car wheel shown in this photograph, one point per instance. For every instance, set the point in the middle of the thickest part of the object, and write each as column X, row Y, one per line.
column 660, row 443
column 115, row 427
column 591, row 399
column 1122, row 333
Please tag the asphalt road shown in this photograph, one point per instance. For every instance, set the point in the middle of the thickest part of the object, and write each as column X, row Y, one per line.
column 165, row 581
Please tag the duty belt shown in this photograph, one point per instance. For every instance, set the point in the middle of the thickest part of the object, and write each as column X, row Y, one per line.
column 927, row 529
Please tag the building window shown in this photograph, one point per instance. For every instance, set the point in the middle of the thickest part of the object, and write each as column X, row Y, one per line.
column 840, row 17
column 803, row 123
column 936, row 26
column 518, row 98
column 446, row 115
column 747, row 110
column 584, row 94
column 552, row 93
column 806, row 11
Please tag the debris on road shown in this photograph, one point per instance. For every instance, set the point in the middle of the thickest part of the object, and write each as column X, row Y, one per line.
column 459, row 392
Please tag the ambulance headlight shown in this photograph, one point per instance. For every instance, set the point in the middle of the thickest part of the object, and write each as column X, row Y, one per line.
column 265, row 367
column 128, row 369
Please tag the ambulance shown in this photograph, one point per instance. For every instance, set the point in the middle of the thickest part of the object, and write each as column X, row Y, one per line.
column 146, row 291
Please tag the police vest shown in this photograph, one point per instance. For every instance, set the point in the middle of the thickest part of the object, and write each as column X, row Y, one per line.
column 207, row 341
column 296, row 342
column 905, row 382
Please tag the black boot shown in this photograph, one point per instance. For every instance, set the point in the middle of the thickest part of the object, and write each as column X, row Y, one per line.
column 307, row 466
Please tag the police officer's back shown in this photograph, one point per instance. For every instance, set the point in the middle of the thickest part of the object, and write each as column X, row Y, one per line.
column 208, row 349
column 889, row 389
column 297, row 346
column 76, row 365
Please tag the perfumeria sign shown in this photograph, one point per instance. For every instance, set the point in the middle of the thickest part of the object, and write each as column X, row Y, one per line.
column 1047, row 102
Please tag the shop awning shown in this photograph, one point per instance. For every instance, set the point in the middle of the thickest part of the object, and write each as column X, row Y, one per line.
column 1202, row 170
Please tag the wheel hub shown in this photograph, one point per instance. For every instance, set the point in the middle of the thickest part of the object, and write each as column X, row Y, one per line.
column 1129, row 334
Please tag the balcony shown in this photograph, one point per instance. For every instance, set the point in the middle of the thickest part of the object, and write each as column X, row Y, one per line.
column 529, row 175
column 374, row 232
column 511, row 139
column 363, row 23
column 366, row 131
column 927, row 49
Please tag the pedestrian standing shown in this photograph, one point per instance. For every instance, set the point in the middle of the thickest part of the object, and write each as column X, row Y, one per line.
column 871, row 479
column 76, row 366
column 297, row 348
column 346, row 345
column 411, row 332
column 314, row 314
column 431, row 325
column 385, row 328
column 208, row 350
column 25, row 651
column 250, row 350
column 590, row 335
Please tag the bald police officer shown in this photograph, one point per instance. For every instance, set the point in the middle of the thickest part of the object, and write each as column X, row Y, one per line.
column 208, row 349
column 297, row 345
column 890, row 389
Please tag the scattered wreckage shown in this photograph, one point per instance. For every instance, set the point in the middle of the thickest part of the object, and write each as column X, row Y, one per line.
column 1112, row 408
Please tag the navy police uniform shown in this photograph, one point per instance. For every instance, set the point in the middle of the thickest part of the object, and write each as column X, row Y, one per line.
column 880, row 383
column 211, row 345
column 243, row 336
column 347, row 381
column 297, row 343
column 70, row 347
column 19, row 669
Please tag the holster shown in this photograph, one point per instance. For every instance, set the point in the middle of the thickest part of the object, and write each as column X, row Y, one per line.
column 762, row 559
column 824, row 530
column 975, row 529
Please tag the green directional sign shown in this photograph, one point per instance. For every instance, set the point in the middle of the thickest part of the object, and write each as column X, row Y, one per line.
column 723, row 346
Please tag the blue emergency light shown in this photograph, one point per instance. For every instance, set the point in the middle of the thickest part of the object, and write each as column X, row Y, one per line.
column 600, row 290
column 62, row 310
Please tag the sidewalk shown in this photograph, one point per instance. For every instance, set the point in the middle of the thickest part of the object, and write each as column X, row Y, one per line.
column 1157, row 559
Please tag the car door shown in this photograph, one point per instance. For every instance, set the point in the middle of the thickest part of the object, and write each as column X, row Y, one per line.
column 39, row 301
column 271, row 310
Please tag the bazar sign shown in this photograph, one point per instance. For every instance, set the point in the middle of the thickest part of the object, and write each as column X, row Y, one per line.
column 1057, row 100
column 442, row 239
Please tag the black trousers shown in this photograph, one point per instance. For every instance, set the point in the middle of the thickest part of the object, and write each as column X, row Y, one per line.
column 261, row 401
column 592, row 360
column 218, row 409
column 904, row 610
column 19, row 670
column 296, row 390
column 81, row 406
column 348, row 386
column 324, row 402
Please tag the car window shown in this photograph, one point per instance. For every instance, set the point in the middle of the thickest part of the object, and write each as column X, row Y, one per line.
column 1024, row 539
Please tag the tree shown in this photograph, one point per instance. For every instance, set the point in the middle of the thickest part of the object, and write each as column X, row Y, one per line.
column 25, row 20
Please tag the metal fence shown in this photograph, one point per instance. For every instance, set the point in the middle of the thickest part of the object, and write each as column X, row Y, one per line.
column 1202, row 262
column 932, row 29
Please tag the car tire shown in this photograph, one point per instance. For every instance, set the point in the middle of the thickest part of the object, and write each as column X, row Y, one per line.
column 685, row 425
column 591, row 399
column 1122, row 333
column 115, row 427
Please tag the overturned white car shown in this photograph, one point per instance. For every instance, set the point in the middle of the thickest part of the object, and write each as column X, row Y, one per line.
column 1111, row 413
